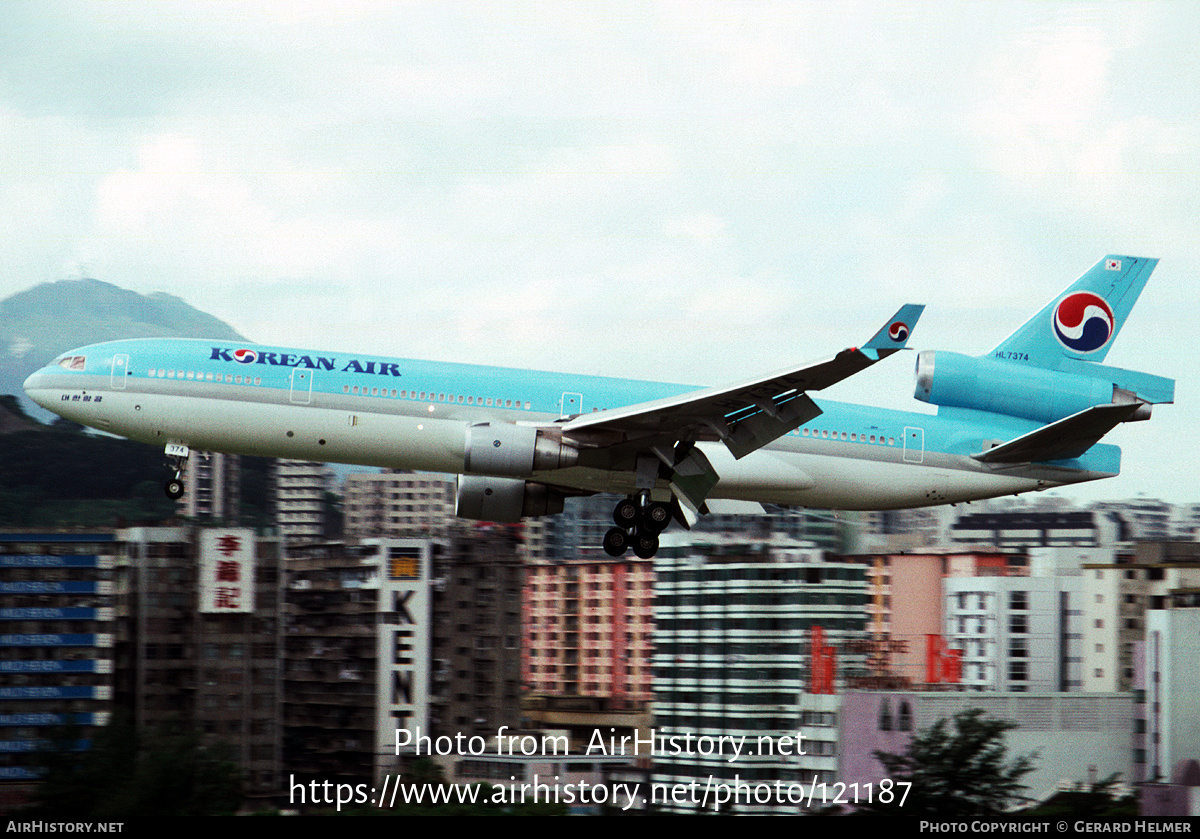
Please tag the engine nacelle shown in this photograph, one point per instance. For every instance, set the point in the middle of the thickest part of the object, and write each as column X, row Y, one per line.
column 502, row 448
column 486, row 498
column 1001, row 387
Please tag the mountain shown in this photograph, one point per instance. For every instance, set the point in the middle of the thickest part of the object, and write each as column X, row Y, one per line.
column 38, row 324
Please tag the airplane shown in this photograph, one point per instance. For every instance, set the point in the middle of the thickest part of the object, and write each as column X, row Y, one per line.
column 1027, row 416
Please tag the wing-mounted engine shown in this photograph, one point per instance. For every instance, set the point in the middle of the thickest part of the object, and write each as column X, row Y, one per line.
column 487, row 498
column 506, row 449
column 1036, row 393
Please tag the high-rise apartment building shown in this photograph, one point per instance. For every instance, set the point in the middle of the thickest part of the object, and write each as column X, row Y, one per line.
column 416, row 635
column 907, row 606
column 1167, row 696
column 589, row 628
column 212, row 487
column 744, row 633
column 300, row 488
column 399, row 504
column 1116, row 597
column 57, row 628
column 1016, row 634
column 199, row 640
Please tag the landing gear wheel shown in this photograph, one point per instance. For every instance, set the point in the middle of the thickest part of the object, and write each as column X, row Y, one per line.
column 174, row 489
column 644, row 546
column 655, row 517
column 616, row 542
column 626, row 513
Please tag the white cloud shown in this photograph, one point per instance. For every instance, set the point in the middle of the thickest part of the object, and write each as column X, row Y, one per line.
column 576, row 184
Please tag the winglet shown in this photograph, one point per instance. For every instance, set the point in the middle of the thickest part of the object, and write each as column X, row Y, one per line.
column 894, row 334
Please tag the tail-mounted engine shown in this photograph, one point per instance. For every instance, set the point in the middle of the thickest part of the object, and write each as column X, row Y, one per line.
column 1036, row 393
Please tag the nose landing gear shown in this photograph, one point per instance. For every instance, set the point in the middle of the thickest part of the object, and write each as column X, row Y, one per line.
column 177, row 454
column 639, row 521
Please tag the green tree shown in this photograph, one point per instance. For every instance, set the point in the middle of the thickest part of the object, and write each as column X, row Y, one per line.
column 956, row 774
column 1100, row 801
column 125, row 774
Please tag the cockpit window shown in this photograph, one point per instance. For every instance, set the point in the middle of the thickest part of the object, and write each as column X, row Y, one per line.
column 73, row 362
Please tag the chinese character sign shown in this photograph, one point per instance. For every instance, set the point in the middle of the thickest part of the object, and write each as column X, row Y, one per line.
column 823, row 663
column 942, row 663
column 227, row 570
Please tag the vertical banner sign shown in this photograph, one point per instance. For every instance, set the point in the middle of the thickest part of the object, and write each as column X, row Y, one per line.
column 403, row 630
column 226, row 570
column 943, row 665
column 822, row 663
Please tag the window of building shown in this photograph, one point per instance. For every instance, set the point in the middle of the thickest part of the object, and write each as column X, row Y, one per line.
column 885, row 716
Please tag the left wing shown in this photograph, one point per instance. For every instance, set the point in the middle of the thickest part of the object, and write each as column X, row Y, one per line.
column 748, row 415
column 744, row 416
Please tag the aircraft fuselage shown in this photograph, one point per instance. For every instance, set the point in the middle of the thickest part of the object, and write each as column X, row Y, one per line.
column 397, row 413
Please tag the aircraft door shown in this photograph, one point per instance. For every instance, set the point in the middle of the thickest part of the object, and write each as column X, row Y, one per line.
column 914, row 444
column 572, row 403
column 301, row 386
column 120, row 369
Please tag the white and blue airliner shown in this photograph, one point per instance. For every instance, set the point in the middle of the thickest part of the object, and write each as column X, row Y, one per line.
column 1026, row 416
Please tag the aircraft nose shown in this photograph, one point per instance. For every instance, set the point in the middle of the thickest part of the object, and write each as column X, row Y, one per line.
column 37, row 388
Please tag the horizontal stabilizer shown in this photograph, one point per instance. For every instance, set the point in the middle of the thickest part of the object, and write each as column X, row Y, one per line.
column 1067, row 438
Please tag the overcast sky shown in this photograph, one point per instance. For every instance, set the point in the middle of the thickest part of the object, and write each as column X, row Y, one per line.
column 685, row 191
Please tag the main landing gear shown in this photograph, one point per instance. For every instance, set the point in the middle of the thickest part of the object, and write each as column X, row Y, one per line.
column 639, row 521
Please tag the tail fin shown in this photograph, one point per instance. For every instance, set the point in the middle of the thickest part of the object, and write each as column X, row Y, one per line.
column 1083, row 321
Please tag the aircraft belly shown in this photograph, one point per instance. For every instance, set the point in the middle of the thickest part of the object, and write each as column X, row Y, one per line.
column 844, row 483
column 309, row 433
